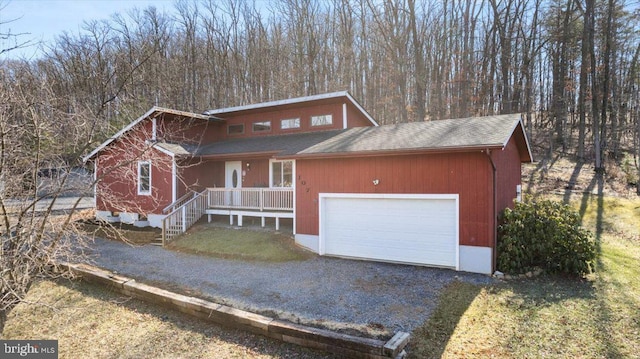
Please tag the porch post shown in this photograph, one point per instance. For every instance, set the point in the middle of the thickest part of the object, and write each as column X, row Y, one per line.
column 261, row 200
column 184, row 219
column 174, row 180
column 164, row 231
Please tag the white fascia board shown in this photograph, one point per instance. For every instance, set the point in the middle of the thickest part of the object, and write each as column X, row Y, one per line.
column 513, row 130
column 138, row 120
column 361, row 109
column 164, row 150
column 294, row 101
column 277, row 103
column 119, row 133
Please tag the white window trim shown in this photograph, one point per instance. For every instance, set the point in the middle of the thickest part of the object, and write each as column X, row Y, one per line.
column 261, row 123
column 140, row 164
column 154, row 129
column 324, row 124
column 293, row 172
column 295, row 119
column 344, row 116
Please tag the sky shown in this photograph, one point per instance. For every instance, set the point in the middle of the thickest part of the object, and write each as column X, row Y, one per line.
column 42, row 20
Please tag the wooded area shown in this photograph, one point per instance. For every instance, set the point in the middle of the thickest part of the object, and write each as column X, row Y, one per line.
column 569, row 66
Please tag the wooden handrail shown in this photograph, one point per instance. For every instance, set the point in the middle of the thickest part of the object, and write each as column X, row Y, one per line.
column 183, row 217
column 258, row 199
column 180, row 201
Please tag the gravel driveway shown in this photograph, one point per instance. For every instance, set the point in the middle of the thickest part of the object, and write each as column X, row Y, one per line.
column 377, row 299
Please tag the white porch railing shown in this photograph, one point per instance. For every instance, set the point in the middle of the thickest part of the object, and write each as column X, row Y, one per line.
column 187, row 211
column 257, row 199
column 183, row 217
column 180, row 201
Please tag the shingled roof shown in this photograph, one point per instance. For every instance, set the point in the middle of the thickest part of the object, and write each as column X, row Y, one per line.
column 464, row 133
column 444, row 135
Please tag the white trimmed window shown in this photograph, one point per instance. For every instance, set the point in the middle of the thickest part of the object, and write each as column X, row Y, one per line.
column 322, row 120
column 289, row 123
column 281, row 174
column 262, row 126
column 144, row 177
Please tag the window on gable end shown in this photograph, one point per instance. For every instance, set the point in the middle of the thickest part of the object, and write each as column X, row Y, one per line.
column 144, row 178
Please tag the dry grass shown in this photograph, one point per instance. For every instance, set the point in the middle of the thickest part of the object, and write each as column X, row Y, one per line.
column 595, row 317
column 243, row 244
column 91, row 322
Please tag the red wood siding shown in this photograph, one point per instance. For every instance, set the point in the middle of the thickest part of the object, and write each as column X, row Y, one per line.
column 257, row 174
column 508, row 175
column 355, row 117
column 180, row 130
column 304, row 113
column 467, row 174
column 117, row 171
column 199, row 174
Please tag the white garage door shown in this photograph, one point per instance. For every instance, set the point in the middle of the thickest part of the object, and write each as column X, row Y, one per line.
column 418, row 229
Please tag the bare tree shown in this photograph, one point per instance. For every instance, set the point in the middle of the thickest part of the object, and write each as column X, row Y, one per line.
column 12, row 41
column 35, row 171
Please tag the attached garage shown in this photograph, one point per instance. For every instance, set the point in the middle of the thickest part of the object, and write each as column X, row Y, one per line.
column 406, row 228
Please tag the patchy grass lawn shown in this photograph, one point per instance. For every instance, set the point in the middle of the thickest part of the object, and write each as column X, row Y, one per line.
column 549, row 316
column 91, row 322
column 242, row 244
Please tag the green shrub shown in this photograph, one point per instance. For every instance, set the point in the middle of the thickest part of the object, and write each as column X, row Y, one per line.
column 547, row 235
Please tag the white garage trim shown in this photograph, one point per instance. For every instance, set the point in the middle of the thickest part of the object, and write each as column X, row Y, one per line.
column 324, row 197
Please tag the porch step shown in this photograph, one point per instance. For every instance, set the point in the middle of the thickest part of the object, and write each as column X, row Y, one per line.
column 156, row 241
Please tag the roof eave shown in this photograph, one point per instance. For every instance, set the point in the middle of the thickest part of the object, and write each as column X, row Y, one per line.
column 147, row 114
column 296, row 100
column 239, row 155
column 524, row 134
column 412, row 151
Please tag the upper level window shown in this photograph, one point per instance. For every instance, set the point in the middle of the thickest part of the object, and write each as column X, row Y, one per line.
column 322, row 120
column 235, row 129
column 290, row 123
column 262, row 126
column 144, row 177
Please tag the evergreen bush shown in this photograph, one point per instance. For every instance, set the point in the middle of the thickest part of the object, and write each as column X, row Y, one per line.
column 544, row 234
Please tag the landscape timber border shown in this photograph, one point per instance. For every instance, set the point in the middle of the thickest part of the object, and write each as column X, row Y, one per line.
column 342, row 344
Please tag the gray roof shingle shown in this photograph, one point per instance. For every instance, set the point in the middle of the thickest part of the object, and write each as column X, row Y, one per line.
column 490, row 131
column 474, row 132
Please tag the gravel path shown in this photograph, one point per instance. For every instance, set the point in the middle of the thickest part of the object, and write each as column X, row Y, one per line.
column 372, row 298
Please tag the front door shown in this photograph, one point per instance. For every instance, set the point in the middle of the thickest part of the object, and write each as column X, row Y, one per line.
column 233, row 181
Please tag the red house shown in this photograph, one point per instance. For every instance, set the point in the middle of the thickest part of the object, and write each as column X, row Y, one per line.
column 426, row 193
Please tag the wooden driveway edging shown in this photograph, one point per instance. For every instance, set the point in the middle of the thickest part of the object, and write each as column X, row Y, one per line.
column 342, row 344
